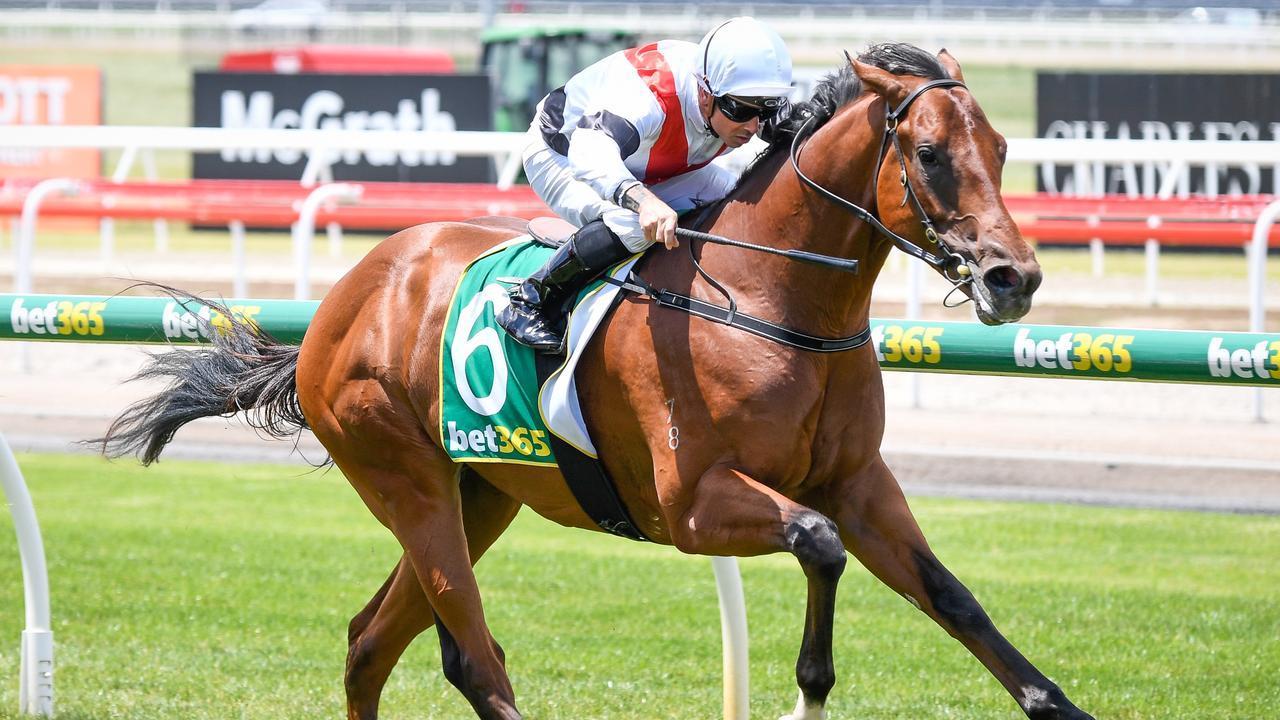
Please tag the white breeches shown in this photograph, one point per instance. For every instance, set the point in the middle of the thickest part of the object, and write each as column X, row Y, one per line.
column 551, row 177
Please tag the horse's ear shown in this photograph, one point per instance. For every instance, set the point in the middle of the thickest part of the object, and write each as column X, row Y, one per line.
column 881, row 82
column 950, row 65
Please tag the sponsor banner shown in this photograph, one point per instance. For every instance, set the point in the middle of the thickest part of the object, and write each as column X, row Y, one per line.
column 142, row 319
column 429, row 103
column 1047, row 350
column 1139, row 106
column 50, row 95
column 1079, row 352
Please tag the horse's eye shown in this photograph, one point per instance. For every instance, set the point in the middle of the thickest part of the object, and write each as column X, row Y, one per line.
column 927, row 156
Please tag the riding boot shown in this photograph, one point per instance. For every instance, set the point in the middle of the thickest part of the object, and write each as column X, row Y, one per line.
column 535, row 316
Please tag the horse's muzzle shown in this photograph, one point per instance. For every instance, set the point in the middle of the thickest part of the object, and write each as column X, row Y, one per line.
column 1002, row 293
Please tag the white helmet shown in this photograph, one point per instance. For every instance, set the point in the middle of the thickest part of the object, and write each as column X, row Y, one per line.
column 745, row 57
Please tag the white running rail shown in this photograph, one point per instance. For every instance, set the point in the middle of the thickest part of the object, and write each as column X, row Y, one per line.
column 35, row 689
column 1258, row 283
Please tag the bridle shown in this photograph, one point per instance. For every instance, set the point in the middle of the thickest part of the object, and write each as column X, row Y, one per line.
column 952, row 265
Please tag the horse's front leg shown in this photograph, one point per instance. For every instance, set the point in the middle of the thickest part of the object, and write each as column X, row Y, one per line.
column 879, row 529
column 729, row 513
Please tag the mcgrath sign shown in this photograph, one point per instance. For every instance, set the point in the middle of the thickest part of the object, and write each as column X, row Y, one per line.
column 1219, row 108
column 434, row 103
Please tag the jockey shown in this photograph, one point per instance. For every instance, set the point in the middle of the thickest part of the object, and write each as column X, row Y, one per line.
column 627, row 144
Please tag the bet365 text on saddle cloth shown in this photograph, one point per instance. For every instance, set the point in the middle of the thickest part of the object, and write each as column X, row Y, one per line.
column 489, row 385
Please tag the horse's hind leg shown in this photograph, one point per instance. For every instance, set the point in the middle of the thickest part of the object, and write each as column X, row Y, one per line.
column 878, row 528
column 729, row 513
column 410, row 485
column 399, row 611
column 379, row 634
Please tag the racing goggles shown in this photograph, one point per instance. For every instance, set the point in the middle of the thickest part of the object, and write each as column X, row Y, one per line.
column 741, row 110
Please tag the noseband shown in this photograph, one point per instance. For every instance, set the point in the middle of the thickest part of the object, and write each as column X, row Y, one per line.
column 948, row 261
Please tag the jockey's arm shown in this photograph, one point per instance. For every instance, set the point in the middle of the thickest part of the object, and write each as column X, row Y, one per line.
column 597, row 159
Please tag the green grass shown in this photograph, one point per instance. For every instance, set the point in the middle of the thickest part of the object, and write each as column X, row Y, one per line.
column 194, row 590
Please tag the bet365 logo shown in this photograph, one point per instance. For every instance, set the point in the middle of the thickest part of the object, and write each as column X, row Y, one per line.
column 179, row 322
column 1074, row 351
column 1260, row 361
column 58, row 317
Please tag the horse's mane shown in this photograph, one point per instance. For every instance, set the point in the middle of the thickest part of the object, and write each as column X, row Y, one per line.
column 842, row 87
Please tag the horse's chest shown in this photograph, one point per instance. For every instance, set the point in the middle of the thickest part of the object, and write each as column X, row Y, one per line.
column 808, row 422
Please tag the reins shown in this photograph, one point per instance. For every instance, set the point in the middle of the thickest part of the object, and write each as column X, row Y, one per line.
column 829, row 261
column 730, row 315
column 951, row 264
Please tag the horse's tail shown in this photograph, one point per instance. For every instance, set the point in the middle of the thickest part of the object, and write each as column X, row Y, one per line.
column 246, row 369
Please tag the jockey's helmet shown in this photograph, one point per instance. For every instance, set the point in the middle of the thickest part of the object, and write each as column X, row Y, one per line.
column 745, row 58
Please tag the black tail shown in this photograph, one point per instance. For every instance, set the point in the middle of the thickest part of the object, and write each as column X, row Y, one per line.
column 246, row 370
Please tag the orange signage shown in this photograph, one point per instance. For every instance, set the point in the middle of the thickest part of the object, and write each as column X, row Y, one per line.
column 50, row 95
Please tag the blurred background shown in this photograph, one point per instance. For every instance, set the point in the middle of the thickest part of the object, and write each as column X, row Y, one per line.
column 159, row 140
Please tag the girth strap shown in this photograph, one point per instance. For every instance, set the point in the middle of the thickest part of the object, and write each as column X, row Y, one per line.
column 586, row 477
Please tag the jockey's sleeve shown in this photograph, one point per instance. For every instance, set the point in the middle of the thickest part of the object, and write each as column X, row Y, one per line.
column 597, row 150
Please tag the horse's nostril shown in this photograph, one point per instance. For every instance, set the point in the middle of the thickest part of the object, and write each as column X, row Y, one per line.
column 1003, row 279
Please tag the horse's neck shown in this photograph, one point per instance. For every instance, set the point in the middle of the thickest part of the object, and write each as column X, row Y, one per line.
column 774, row 208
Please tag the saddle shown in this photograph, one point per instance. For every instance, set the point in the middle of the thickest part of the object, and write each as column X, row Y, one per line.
column 550, row 232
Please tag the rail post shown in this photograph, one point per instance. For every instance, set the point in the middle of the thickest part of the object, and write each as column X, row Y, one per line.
column 733, row 637
column 35, row 688
column 239, row 271
column 304, row 231
column 26, row 240
column 1096, row 248
column 1151, row 252
column 24, row 245
column 915, row 281
column 510, row 169
column 1258, row 283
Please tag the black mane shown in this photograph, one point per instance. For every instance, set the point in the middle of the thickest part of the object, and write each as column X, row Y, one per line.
column 841, row 88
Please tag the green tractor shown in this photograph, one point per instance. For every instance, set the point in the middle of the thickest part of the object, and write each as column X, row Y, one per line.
column 525, row 63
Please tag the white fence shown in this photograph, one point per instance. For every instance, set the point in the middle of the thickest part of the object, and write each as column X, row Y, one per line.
column 1171, row 160
column 322, row 148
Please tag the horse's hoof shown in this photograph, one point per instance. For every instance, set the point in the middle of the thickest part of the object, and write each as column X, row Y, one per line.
column 804, row 711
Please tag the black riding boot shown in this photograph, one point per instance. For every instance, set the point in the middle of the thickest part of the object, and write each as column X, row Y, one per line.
column 535, row 316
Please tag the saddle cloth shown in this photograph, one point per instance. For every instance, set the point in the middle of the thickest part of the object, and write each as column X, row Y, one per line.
column 491, row 408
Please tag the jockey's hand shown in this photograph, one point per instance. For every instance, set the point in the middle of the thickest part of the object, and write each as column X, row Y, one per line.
column 659, row 222
column 657, row 219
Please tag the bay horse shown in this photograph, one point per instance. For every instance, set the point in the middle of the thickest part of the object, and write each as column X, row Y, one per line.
column 719, row 442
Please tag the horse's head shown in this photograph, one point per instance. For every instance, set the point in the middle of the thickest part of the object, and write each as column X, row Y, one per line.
column 952, row 159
